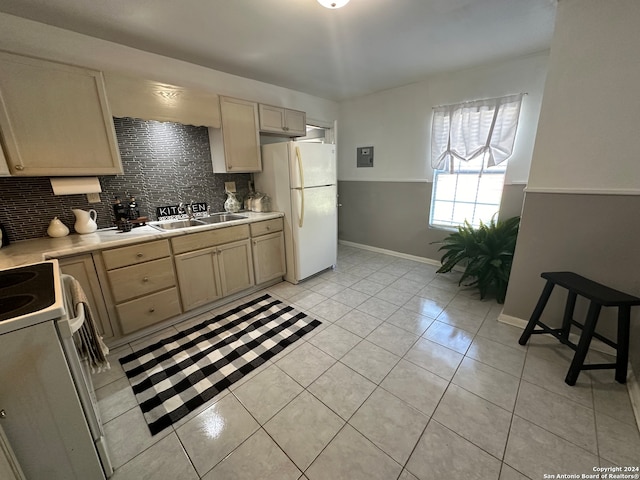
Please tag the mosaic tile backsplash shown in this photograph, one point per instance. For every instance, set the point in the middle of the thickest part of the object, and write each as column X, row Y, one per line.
column 164, row 164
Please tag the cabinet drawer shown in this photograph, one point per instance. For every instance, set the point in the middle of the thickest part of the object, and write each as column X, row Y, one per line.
column 149, row 310
column 196, row 241
column 142, row 252
column 138, row 280
column 268, row 226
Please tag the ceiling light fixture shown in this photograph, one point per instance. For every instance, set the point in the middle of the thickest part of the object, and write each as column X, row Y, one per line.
column 333, row 4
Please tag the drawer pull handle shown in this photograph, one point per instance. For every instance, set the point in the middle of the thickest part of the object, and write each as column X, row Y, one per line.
column 268, row 228
column 3, row 414
column 145, row 279
column 151, row 310
column 139, row 255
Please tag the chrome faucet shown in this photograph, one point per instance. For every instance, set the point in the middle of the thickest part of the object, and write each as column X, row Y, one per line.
column 187, row 208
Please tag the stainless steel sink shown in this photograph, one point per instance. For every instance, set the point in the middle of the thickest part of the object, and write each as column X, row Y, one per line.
column 177, row 224
column 220, row 217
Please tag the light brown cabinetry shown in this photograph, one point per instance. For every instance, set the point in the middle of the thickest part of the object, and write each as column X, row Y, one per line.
column 142, row 284
column 213, row 264
column 151, row 100
column 81, row 267
column 235, row 147
column 283, row 121
column 55, row 120
column 4, row 168
column 268, row 250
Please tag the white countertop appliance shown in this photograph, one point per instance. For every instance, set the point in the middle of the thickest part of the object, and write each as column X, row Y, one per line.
column 48, row 408
column 301, row 180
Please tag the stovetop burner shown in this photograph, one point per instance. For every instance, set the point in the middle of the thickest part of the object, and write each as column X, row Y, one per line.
column 25, row 290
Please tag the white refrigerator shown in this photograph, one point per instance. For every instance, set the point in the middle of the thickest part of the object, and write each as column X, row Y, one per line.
column 301, row 180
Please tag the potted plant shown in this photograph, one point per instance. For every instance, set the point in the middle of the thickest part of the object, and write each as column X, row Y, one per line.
column 487, row 251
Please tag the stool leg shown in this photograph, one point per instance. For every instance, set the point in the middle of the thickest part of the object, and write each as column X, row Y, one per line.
column 537, row 312
column 568, row 314
column 622, row 357
column 583, row 344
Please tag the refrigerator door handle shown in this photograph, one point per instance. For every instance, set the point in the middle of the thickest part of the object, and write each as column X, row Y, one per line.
column 301, row 173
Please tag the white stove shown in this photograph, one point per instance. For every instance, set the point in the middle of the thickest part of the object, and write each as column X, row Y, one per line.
column 30, row 294
column 51, row 416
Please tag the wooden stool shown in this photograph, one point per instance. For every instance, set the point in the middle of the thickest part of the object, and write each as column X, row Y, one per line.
column 600, row 296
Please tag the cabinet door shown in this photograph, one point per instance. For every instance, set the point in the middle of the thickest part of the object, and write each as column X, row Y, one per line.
column 198, row 277
column 268, row 257
column 240, row 135
column 55, row 119
column 236, row 270
column 272, row 119
column 295, row 123
column 4, row 168
column 291, row 123
column 82, row 269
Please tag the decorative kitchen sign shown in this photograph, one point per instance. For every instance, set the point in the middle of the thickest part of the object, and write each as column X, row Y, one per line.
column 177, row 212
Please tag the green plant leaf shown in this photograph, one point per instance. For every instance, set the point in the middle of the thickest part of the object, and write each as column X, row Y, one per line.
column 485, row 251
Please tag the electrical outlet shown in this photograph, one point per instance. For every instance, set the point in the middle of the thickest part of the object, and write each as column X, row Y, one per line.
column 230, row 187
column 93, row 197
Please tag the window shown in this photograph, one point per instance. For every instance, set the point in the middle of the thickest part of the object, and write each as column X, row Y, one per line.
column 469, row 193
column 470, row 146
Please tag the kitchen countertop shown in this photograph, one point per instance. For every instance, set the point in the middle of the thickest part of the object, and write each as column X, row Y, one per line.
column 36, row 250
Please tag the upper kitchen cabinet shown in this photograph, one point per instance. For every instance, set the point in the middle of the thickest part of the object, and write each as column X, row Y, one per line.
column 55, row 120
column 235, row 147
column 4, row 168
column 151, row 100
column 282, row 121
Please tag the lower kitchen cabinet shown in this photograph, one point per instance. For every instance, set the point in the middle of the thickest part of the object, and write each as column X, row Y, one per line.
column 81, row 267
column 268, row 250
column 142, row 284
column 208, row 274
column 198, row 277
column 148, row 310
column 268, row 257
column 236, row 272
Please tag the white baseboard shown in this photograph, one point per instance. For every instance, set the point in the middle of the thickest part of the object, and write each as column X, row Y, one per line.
column 633, row 383
column 415, row 258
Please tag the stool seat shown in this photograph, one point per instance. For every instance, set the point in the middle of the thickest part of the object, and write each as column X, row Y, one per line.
column 605, row 296
column 599, row 296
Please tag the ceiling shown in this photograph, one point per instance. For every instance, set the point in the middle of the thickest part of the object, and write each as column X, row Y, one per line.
column 364, row 47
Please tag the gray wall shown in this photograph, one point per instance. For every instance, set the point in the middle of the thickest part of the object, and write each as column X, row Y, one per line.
column 593, row 235
column 164, row 163
column 581, row 209
column 395, row 215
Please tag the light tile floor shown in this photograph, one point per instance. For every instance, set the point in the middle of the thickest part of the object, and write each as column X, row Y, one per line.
column 408, row 377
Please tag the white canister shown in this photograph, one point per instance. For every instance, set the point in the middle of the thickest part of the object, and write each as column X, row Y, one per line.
column 57, row 228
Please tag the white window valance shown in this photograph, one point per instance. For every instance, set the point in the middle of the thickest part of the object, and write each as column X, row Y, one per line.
column 468, row 130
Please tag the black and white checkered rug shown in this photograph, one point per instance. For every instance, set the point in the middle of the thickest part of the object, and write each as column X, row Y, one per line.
column 178, row 374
